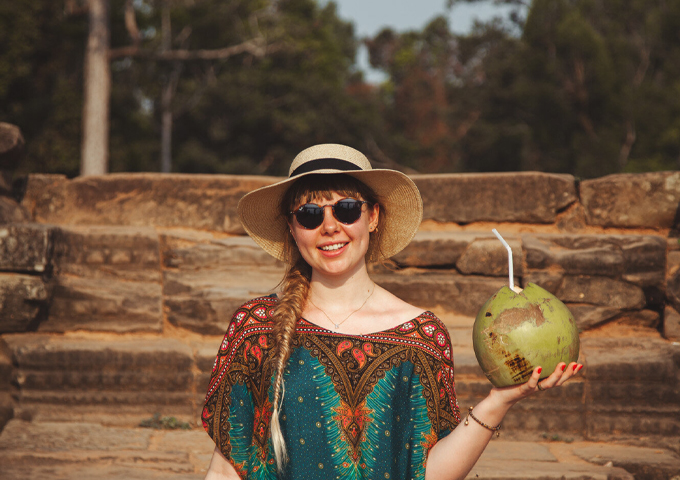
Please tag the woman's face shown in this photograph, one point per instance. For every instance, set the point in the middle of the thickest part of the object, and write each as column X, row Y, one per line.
column 334, row 248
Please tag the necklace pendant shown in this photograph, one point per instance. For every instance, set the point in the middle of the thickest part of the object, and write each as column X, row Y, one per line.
column 337, row 326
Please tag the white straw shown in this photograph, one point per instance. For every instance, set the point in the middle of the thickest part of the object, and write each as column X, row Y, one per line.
column 507, row 247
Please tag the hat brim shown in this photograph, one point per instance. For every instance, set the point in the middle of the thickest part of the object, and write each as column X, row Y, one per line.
column 261, row 218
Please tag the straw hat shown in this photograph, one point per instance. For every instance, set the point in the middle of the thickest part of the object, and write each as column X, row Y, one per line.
column 260, row 214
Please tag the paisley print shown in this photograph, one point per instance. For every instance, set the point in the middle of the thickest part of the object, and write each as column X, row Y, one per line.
column 355, row 406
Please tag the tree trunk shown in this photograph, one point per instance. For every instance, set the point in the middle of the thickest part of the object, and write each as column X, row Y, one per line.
column 97, row 92
column 166, row 96
column 166, row 129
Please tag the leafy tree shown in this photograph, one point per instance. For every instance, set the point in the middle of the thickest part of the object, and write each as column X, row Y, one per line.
column 588, row 87
column 42, row 47
column 232, row 113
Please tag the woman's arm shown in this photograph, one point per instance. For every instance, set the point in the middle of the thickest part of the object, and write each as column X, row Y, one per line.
column 220, row 468
column 453, row 456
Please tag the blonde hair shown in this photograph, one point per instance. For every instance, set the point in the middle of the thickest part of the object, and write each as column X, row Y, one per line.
column 296, row 281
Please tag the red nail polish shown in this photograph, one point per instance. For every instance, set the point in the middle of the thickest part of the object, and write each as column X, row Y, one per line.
column 563, row 367
column 579, row 368
column 540, row 369
column 575, row 368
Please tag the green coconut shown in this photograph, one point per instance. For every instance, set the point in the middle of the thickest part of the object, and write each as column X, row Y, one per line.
column 516, row 332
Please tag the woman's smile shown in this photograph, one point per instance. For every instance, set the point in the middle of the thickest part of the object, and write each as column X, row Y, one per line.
column 333, row 246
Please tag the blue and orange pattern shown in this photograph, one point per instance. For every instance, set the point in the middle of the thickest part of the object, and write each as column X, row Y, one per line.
column 355, row 406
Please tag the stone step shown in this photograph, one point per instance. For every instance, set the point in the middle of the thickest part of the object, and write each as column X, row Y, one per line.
column 629, row 385
column 129, row 278
column 61, row 450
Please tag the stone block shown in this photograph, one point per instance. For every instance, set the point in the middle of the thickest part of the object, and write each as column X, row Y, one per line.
column 671, row 324
column 65, row 437
column 549, row 280
column 673, row 290
column 23, row 301
column 206, row 278
column 613, row 422
column 590, row 316
column 602, row 291
column 12, row 212
column 104, row 304
column 575, row 254
column 116, row 253
column 450, row 292
column 203, row 202
column 572, row 219
column 641, row 258
column 643, row 253
column 6, row 375
column 66, row 370
column 641, row 200
column 6, row 367
column 26, row 248
column 11, row 146
column 204, row 300
column 529, row 197
column 188, row 253
column 640, row 318
column 6, row 409
column 63, row 450
column 488, row 256
column 434, row 249
column 633, row 360
column 647, row 463
column 673, row 260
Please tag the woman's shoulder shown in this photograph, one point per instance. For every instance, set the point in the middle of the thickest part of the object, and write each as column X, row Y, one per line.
column 258, row 302
column 429, row 333
column 255, row 313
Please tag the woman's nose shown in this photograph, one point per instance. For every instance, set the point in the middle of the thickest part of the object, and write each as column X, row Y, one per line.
column 330, row 223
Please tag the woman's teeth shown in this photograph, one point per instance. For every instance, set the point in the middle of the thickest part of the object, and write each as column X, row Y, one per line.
column 330, row 248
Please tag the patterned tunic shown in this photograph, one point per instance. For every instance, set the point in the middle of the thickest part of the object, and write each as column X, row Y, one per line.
column 355, row 406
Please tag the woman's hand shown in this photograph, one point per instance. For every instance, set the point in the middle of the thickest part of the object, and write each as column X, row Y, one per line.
column 454, row 456
column 515, row 393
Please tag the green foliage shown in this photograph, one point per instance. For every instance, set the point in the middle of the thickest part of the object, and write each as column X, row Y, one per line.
column 164, row 423
column 587, row 87
column 557, row 438
column 41, row 81
column 237, row 115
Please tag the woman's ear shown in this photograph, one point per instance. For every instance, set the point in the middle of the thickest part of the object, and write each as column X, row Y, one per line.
column 290, row 230
column 373, row 218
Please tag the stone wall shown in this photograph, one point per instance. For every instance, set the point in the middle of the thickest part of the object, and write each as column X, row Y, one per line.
column 115, row 290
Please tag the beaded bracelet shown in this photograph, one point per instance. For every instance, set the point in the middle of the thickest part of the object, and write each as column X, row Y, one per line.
column 496, row 429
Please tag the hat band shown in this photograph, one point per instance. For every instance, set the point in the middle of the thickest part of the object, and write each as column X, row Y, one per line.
column 324, row 164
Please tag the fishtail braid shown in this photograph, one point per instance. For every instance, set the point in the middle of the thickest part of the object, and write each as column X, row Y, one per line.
column 285, row 315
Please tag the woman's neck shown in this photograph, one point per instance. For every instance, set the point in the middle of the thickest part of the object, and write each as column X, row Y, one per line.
column 340, row 292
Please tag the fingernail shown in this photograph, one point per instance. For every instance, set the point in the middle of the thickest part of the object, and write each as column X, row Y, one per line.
column 575, row 367
column 563, row 367
column 540, row 369
column 579, row 368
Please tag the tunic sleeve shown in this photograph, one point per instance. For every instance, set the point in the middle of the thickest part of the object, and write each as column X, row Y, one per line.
column 234, row 415
column 448, row 403
column 436, row 357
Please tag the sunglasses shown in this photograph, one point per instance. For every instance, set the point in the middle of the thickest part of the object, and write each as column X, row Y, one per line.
column 311, row 215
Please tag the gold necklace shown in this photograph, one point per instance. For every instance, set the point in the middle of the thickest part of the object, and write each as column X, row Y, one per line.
column 337, row 325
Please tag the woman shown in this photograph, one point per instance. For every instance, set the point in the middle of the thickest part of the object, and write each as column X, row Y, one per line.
column 336, row 377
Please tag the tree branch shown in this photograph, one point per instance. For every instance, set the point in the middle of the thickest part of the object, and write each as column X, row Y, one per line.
column 255, row 47
column 131, row 23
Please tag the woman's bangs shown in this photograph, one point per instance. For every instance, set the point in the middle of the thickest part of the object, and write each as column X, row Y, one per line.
column 313, row 188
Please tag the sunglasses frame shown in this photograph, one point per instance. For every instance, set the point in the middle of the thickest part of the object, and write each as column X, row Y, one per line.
column 323, row 212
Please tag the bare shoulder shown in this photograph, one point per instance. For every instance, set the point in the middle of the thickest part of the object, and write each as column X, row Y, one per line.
column 395, row 307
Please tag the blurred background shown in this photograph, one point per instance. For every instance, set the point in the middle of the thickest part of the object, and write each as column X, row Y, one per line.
column 585, row 87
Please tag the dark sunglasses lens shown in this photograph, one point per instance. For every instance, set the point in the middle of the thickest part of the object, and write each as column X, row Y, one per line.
column 309, row 216
column 348, row 210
